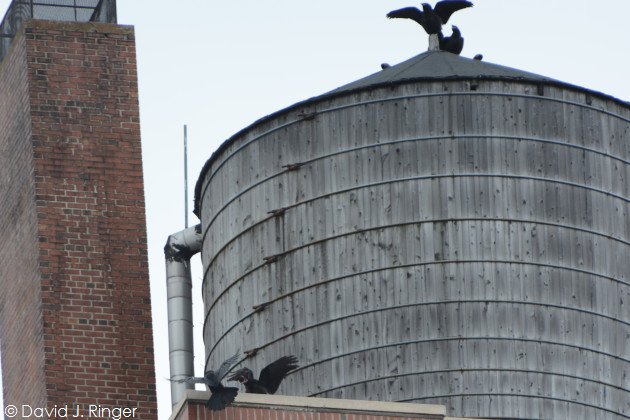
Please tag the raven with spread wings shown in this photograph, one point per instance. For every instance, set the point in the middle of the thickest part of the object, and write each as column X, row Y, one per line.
column 221, row 396
column 431, row 19
column 270, row 376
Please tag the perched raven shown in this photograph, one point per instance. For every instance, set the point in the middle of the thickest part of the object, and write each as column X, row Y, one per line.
column 270, row 376
column 454, row 43
column 431, row 19
column 221, row 396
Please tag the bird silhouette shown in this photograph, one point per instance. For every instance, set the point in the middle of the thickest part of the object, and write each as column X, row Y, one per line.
column 454, row 43
column 221, row 396
column 431, row 19
column 270, row 376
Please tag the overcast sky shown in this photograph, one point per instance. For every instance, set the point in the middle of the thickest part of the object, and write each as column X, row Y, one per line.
column 218, row 66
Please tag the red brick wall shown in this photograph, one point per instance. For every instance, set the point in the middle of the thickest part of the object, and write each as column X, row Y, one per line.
column 96, row 327
column 275, row 407
column 200, row 412
column 20, row 310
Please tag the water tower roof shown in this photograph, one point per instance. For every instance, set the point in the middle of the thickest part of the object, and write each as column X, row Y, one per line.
column 440, row 65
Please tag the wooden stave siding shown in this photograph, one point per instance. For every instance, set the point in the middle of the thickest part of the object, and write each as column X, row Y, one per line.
column 239, row 233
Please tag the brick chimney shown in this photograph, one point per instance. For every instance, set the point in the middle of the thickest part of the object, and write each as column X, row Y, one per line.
column 75, row 310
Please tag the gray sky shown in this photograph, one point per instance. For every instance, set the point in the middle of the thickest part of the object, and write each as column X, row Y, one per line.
column 220, row 65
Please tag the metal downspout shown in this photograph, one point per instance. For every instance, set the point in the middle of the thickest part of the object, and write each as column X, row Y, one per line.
column 179, row 248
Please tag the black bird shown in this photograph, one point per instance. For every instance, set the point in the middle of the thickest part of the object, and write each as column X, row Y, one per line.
column 478, row 57
column 270, row 376
column 454, row 43
column 431, row 19
column 221, row 396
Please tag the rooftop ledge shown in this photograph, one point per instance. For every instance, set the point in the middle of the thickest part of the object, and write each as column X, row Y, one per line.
column 192, row 406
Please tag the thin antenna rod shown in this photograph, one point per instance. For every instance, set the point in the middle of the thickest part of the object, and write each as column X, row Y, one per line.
column 185, row 176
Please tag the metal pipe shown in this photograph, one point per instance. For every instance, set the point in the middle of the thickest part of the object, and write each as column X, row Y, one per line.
column 185, row 176
column 179, row 248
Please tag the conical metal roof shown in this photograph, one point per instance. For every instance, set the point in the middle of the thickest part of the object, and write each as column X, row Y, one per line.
column 440, row 65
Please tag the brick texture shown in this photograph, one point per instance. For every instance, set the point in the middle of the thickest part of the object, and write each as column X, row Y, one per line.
column 279, row 407
column 75, row 303
column 20, row 307
column 197, row 411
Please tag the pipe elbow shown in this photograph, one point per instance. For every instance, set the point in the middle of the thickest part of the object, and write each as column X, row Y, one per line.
column 181, row 246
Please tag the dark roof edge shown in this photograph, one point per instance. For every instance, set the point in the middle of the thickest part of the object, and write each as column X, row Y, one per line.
column 334, row 94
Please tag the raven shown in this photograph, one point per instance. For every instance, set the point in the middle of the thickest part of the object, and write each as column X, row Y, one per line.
column 431, row 19
column 270, row 376
column 454, row 43
column 221, row 396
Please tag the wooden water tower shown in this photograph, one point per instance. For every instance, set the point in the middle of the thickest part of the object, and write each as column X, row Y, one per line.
column 444, row 231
